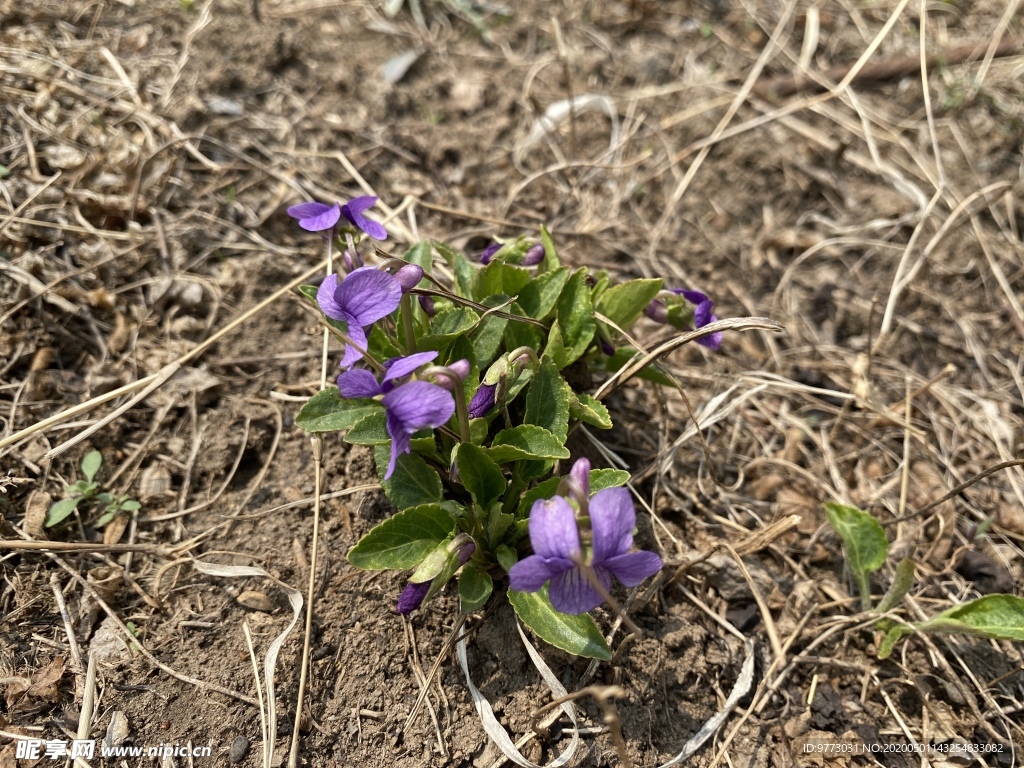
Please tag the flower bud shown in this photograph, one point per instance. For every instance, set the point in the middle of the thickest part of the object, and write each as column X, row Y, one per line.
column 580, row 472
column 482, row 401
column 460, row 368
column 411, row 598
column 427, row 305
column 533, row 256
column 409, row 276
column 488, row 253
column 607, row 348
column 657, row 311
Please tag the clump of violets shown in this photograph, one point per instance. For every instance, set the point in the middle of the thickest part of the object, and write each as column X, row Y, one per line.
column 580, row 574
column 457, row 376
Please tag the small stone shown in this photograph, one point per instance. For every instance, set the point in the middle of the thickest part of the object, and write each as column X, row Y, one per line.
column 239, row 749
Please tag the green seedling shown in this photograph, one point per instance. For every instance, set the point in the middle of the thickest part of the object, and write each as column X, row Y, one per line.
column 88, row 491
column 866, row 547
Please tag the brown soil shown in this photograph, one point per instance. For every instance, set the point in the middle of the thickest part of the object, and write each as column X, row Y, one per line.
column 151, row 151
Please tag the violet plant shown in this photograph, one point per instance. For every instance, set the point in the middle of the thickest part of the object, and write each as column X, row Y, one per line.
column 455, row 372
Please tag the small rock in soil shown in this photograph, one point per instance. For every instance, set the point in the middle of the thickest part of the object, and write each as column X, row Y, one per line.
column 239, row 749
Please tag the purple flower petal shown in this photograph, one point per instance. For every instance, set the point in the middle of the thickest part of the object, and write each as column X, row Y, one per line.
column 325, row 298
column 570, row 592
column 411, row 407
column 633, row 567
column 358, row 383
column 535, row 255
column 553, row 531
column 531, row 573
column 353, row 212
column 354, row 352
column 580, row 472
column 412, row 597
column 409, row 276
column 368, row 295
column 612, row 518
column 488, row 253
column 316, row 217
column 483, row 400
column 397, row 367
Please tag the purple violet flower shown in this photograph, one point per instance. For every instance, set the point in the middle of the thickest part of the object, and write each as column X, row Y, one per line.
column 411, row 407
column 558, row 553
column 702, row 314
column 353, row 211
column 314, row 216
column 365, row 296
column 359, row 382
column 412, row 597
column 482, row 401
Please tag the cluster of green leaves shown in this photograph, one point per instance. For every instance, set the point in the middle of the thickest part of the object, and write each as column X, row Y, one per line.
column 88, row 491
column 866, row 549
column 484, row 487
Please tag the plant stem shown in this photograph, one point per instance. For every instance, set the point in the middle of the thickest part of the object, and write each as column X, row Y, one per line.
column 405, row 310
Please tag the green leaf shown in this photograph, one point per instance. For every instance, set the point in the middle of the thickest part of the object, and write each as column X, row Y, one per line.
column 537, row 298
column 506, row 557
column 475, row 586
column 446, row 326
column 599, row 480
column 547, row 400
column 328, row 411
column 404, row 540
column 459, row 264
column 864, row 543
column 91, row 464
column 994, row 616
column 575, row 314
column 480, row 476
column 371, row 429
column 4, row 171
column 989, row 616
column 130, row 505
column 901, row 584
column 551, row 261
column 578, row 635
column 589, row 410
column 623, row 303
column 488, row 335
column 527, row 441
column 379, row 345
column 59, row 511
column 413, row 483
column 521, row 334
column 421, row 254
column 107, row 516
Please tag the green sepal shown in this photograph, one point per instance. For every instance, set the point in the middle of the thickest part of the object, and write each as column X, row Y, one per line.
column 475, row 587
column 328, row 411
column 578, row 635
column 404, row 540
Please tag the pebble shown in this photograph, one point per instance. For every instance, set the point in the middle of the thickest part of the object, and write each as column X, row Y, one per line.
column 239, row 749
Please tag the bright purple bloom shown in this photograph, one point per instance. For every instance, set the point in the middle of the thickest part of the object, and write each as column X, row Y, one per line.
column 558, row 552
column 483, row 400
column 411, row 407
column 359, row 382
column 353, row 211
column 412, row 597
column 488, row 253
column 409, row 276
column 365, row 296
column 314, row 216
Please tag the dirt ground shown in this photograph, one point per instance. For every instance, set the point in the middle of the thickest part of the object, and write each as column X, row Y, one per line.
column 148, row 151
